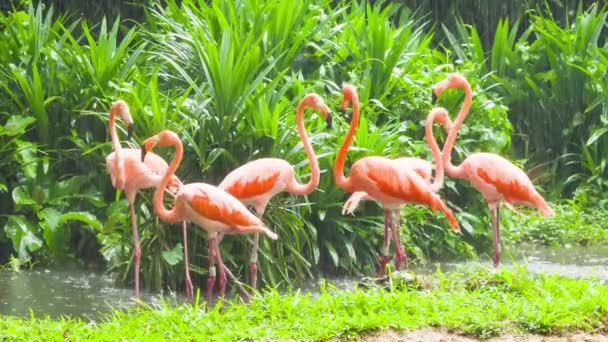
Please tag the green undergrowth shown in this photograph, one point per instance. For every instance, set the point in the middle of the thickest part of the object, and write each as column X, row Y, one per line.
column 479, row 303
column 576, row 222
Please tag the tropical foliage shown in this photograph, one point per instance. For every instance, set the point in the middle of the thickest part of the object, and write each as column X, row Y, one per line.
column 227, row 75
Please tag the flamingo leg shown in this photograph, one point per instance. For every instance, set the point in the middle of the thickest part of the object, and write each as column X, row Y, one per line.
column 253, row 262
column 189, row 289
column 221, row 270
column 211, row 277
column 400, row 256
column 136, row 248
column 495, row 217
column 387, row 242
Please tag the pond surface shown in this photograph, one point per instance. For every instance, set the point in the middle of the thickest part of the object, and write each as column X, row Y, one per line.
column 573, row 262
column 90, row 294
column 73, row 293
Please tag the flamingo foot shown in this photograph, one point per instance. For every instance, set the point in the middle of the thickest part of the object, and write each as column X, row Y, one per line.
column 383, row 262
column 188, row 287
column 136, row 260
column 400, row 258
column 253, row 274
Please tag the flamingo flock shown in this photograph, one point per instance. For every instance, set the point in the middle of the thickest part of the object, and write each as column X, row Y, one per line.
column 222, row 209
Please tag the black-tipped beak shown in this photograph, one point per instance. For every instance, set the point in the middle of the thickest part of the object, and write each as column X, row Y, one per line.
column 129, row 130
column 433, row 97
column 143, row 153
column 329, row 121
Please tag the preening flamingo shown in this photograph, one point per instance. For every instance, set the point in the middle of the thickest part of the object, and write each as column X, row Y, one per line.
column 383, row 179
column 208, row 206
column 418, row 165
column 256, row 182
column 130, row 174
column 495, row 177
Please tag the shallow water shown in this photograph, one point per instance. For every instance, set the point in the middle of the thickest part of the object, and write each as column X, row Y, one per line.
column 573, row 262
column 73, row 293
column 89, row 294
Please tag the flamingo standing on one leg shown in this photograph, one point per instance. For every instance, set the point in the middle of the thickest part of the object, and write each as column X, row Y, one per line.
column 130, row 174
column 209, row 207
column 256, row 182
column 384, row 179
column 418, row 165
column 495, row 177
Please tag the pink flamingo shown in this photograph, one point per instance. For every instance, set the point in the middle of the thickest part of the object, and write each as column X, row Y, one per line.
column 128, row 173
column 495, row 177
column 418, row 165
column 256, row 182
column 209, row 207
column 383, row 179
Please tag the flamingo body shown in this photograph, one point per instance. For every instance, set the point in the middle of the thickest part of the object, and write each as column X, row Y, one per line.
column 388, row 183
column 498, row 180
column 422, row 167
column 257, row 181
column 217, row 211
column 139, row 175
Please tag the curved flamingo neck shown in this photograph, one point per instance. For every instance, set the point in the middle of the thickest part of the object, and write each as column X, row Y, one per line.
column 119, row 164
column 430, row 140
column 456, row 171
column 315, row 173
column 342, row 181
column 172, row 215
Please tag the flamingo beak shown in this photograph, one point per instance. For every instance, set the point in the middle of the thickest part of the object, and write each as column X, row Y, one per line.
column 129, row 130
column 143, row 152
column 433, row 97
column 329, row 121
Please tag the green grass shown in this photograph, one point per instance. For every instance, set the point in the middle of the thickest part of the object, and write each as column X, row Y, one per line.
column 479, row 303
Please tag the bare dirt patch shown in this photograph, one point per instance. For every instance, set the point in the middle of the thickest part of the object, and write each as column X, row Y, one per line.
column 443, row 335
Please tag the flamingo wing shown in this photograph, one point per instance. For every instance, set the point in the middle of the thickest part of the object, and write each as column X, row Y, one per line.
column 227, row 213
column 256, row 178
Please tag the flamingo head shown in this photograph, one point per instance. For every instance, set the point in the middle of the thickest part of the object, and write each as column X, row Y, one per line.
column 452, row 81
column 349, row 95
column 163, row 138
column 441, row 116
column 121, row 108
column 316, row 102
column 174, row 185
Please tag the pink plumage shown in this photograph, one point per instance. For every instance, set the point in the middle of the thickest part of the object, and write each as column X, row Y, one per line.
column 387, row 181
column 130, row 174
column 495, row 177
column 209, row 207
column 257, row 181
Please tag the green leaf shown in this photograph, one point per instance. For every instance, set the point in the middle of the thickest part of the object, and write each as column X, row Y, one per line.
column 55, row 239
column 332, row 252
column 28, row 158
column 173, row 256
column 21, row 234
column 83, row 217
column 17, row 124
column 22, row 197
column 596, row 135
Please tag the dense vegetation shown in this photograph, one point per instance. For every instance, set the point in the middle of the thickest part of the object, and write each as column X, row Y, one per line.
column 475, row 303
column 227, row 76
